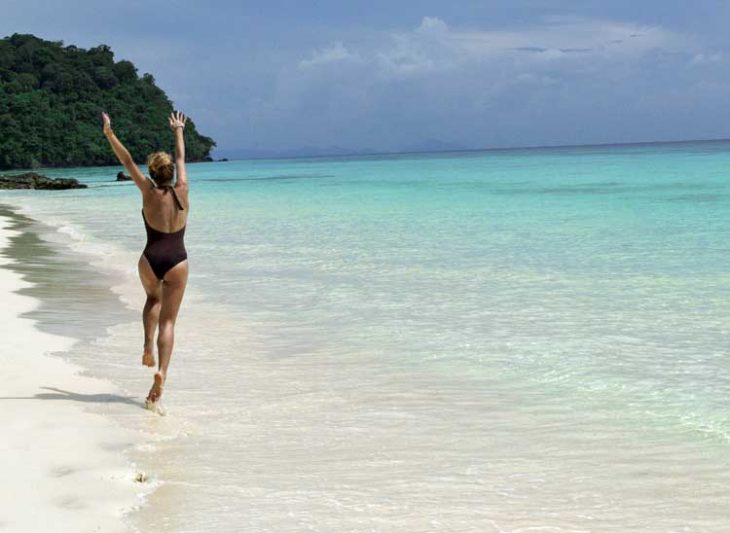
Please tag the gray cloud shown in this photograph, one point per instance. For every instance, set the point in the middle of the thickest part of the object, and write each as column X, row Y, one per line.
column 566, row 80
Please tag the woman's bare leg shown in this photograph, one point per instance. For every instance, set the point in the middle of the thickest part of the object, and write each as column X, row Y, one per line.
column 173, row 289
column 151, row 311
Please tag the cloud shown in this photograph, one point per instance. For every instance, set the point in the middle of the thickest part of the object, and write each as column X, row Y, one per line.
column 435, row 46
column 538, row 49
column 471, row 86
column 706, row 58
column 432, row 25
column 336, row 52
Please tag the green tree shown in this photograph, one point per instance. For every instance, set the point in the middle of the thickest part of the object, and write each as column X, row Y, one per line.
column 51, row 97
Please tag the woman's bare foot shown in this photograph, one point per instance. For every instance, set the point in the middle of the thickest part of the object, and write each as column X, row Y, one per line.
column 148, row 357
column 156, row 391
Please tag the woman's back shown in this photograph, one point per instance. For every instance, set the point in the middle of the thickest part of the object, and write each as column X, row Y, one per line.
column 161, row 209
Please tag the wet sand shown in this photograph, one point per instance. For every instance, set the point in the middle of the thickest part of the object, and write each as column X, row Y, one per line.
column 65, row 468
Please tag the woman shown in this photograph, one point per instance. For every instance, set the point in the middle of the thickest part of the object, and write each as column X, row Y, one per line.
column 163, row 266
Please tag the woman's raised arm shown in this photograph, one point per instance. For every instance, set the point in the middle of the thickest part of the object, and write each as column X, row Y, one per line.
column 123, row 154
column 177, row 123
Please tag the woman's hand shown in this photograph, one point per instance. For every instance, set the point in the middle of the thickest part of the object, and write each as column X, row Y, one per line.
column 177, row 120
column 125, row 158
column 106, row 123
column 177, row 123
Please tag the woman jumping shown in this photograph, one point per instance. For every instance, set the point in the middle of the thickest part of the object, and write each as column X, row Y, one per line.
column 163, row 265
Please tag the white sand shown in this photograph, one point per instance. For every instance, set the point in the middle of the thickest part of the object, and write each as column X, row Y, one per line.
column 63, row 468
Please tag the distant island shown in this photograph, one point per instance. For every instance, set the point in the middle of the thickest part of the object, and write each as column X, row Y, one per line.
column 51, row 97
column 427, row 146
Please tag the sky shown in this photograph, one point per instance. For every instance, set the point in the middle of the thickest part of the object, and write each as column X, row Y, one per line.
column 389, row 75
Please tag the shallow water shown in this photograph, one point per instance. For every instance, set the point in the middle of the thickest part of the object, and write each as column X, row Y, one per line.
column 492, row 341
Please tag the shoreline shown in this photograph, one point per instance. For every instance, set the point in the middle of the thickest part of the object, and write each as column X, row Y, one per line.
column 67, row 466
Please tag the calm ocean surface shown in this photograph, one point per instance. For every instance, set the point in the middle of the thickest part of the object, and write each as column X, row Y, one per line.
column 528, row 340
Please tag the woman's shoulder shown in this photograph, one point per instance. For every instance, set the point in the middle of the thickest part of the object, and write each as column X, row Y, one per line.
column 152, row 197
column 150, row 188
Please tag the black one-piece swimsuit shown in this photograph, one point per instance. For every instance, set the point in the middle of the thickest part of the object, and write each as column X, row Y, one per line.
column 164, row 250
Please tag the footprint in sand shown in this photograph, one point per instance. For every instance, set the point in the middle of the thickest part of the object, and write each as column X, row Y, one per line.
column 63, row 471
column 70, row 502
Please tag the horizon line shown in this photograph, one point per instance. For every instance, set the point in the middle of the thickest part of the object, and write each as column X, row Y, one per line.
column 471, row 150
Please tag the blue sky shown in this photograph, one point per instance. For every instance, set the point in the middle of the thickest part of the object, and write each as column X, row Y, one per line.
column 388, row 75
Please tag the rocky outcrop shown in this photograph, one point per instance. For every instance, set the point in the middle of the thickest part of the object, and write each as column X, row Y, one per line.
column 31, row 180
column 121, row 176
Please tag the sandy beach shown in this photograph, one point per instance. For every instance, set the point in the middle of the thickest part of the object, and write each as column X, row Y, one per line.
column 64, row 467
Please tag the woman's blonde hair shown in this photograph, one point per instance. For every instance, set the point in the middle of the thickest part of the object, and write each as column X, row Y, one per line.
column 161, row 168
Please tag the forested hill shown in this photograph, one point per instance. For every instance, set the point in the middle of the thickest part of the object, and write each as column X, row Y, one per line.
column 51, row 97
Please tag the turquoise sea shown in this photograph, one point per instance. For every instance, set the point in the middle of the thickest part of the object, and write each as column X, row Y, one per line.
column 517, row 340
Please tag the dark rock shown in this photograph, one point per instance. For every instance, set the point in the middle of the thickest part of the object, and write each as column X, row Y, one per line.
column 31, row 180
column 121, row 176
column 223, row 159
